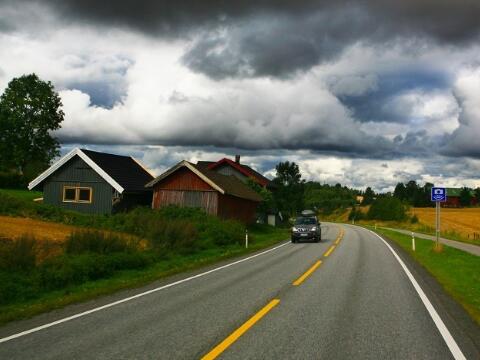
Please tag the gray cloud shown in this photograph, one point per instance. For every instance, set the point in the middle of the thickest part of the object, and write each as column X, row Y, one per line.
column 278, row 37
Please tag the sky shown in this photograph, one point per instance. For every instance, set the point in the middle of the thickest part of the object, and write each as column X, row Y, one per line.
column 362, row 93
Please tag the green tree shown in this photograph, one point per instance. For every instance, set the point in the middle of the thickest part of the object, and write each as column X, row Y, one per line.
column 465, row 196
column 289, row 192
column 400, row 191
column 368, row 196
column 267, row 203
column 30, row 110
column 387, row 208
column 477, row 195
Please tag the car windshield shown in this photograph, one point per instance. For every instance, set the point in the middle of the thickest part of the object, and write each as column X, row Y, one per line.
column 305, row 221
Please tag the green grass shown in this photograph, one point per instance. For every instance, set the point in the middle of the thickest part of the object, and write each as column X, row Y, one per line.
column 457, row 271
column 22, row 194
column 260, row 237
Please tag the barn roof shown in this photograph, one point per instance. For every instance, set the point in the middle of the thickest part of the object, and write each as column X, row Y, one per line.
column 123, row 173
column 242, row 168
column 228, row 185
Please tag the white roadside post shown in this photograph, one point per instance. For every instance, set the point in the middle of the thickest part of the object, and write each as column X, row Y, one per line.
column 246, row 239
column 438, row 195
column 413, row 241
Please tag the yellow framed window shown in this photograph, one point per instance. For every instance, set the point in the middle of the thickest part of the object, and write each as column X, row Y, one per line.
column 77, row 194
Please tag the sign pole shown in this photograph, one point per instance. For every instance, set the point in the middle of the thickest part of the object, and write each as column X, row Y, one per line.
column 437, row 223
column 438, row 195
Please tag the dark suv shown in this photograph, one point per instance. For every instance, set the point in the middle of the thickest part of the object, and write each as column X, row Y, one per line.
column 306, row 228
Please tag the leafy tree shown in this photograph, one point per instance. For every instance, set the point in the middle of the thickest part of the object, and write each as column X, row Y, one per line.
column 267, row 203
column 477, row 195
column 368, row 196
column 387, row 208
column 289, row 192
column 465, row 196
column 400, row 191
column 327, row 198
column 30, row 110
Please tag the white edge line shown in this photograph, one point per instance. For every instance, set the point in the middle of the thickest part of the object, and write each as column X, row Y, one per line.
column 106, row 306
column 447, row 337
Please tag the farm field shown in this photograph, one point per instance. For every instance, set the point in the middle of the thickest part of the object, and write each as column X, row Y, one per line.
column 464, row 222
column 456, row 224
column 14, row 227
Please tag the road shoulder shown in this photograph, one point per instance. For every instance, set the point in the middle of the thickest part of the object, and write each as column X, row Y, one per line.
column 463, row 328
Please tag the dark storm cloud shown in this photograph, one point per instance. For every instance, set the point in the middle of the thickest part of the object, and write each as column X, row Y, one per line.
column 278, row 37
column 380, row 105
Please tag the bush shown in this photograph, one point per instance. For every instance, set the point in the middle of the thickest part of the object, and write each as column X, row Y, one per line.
column 356, row 214
column 15, row 287
column 99, row 242
column 68, row 270
column 387, row 208
column 12, row 180
column 414, row 219
column 18, row 254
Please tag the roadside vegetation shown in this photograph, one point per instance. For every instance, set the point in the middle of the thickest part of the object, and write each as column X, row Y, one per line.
column 457, row 271
column 103, row 254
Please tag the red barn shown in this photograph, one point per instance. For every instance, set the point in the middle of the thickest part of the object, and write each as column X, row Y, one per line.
column 453, row 198
column 189, row 185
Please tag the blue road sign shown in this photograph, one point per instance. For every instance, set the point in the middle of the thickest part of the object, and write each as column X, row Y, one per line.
column 439, row 194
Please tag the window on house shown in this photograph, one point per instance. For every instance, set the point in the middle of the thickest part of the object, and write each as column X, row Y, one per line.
column 69, row 194
column 77, row 194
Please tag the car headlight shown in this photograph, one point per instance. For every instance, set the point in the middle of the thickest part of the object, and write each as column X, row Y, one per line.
column 314, row 228
column 294, row 229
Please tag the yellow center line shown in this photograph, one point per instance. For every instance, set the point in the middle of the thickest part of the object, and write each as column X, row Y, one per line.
column 220, row 348
column 329, row 251
column 307, row 273
column 339, row 237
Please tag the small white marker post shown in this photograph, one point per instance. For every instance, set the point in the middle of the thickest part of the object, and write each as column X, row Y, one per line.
column 246, row 239
column 413, row 241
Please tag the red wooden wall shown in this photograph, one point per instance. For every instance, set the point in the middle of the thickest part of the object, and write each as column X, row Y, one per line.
column 183, row 179
column 231, row 207
column 186, row 189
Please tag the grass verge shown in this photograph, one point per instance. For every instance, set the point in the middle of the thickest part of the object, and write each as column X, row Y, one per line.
column 260, row 237
column 457, row 271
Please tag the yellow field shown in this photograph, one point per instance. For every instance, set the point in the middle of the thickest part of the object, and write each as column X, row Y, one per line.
column 12, row 227
column 49, row 236
column 465, row 222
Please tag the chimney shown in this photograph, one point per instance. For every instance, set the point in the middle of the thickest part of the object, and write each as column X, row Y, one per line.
column 237, row 159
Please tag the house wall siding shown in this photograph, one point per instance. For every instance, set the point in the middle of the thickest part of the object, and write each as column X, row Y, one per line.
column 78, row 173
column 206, row 200
column 231, row 207
column 183, row 179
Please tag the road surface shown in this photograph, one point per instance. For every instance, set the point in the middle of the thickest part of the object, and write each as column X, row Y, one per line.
column 293, row 302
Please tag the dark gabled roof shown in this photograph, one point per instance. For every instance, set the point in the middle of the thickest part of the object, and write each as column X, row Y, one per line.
column 244, row 169
column 229, row 185
column 256, row 173
column 123, row 169
column 204, row 164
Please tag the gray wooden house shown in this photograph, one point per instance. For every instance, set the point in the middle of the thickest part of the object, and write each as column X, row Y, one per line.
column 94, row 182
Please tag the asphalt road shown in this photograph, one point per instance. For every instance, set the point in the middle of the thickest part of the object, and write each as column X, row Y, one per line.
column 357, row 303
